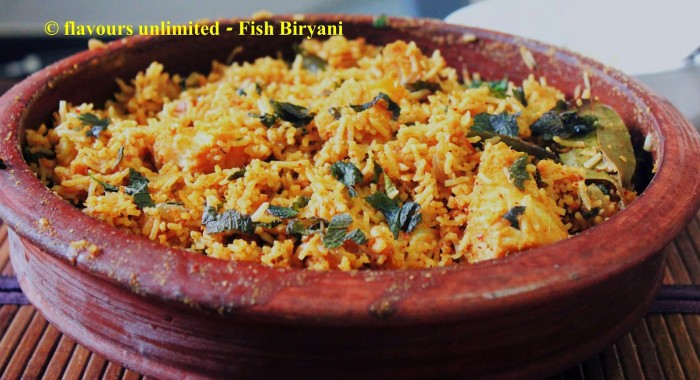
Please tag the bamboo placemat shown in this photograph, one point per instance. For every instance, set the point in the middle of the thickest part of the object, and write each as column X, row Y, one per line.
column 664, row 345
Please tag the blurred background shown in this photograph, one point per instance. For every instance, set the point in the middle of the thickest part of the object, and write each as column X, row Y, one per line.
column 655, row 41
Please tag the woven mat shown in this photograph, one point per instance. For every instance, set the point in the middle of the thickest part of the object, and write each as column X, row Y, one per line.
column 664, row 345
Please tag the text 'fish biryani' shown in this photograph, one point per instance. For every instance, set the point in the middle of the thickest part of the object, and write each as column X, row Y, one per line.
column 352, row 156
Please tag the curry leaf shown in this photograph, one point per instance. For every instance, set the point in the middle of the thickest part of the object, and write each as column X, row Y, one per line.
column 138, row 189
column 513, row 214
column 391, row 105
column 517, row 172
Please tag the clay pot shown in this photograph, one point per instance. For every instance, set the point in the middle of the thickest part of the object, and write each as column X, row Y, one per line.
column 168, row 313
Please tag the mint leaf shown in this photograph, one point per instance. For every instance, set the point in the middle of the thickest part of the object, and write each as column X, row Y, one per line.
column 107, row 187
column 517, row 172
column 391, row 105
column 301, row 202
column 519, row 93
column 282, row 212
column 377, row 172
column 120, row 157
column 390, row 208
column 348, row 174
column 501, row 123
column 267, row 119
column 513, row 214
column 138, row 189
column 297, row 115
column 96, row 124
column 304, row 226
column 227, row 221
column 237, row 174
column 420, row 85
column 336, row 233
column 409, row 216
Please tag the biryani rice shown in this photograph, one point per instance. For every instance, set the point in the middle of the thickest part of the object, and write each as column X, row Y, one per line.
column 190, row 137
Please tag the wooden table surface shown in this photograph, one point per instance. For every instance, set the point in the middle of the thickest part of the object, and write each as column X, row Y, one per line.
column 661, row 346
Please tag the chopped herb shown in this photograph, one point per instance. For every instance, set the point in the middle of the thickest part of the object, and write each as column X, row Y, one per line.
column 96, row 124
column 391, row 105
column 538, row 179
column 398, row 217
column 356, row 236
column 304, row 226
column 380, row 22
column 348, row 174
column 336, row 232
column 497, row 88
column 519, row 93
column 300, row 202
column 272, row 224
column 237, row 174
column 227, row 221
column 410, row 216
column 389, row 187
column 297, row 115
column 312, row 62
column 590, row 214
column 107, row 187
column 173, row 203
column 241, row 92
column 282, row 212
column 501, row 123
column 563, row 124
column 34, row 154
column 513, row 214
column 267, row 119
column 377, row 172
column 420, row 85
column 120, row 156
column 335, row 112
column 258, row 89
column 138, row 188
column 603, row 188
column 517, row 172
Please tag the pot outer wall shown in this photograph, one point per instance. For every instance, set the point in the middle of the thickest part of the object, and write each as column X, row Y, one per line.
column 167, row 340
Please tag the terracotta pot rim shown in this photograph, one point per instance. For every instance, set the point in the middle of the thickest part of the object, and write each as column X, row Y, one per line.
column 360, row 298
